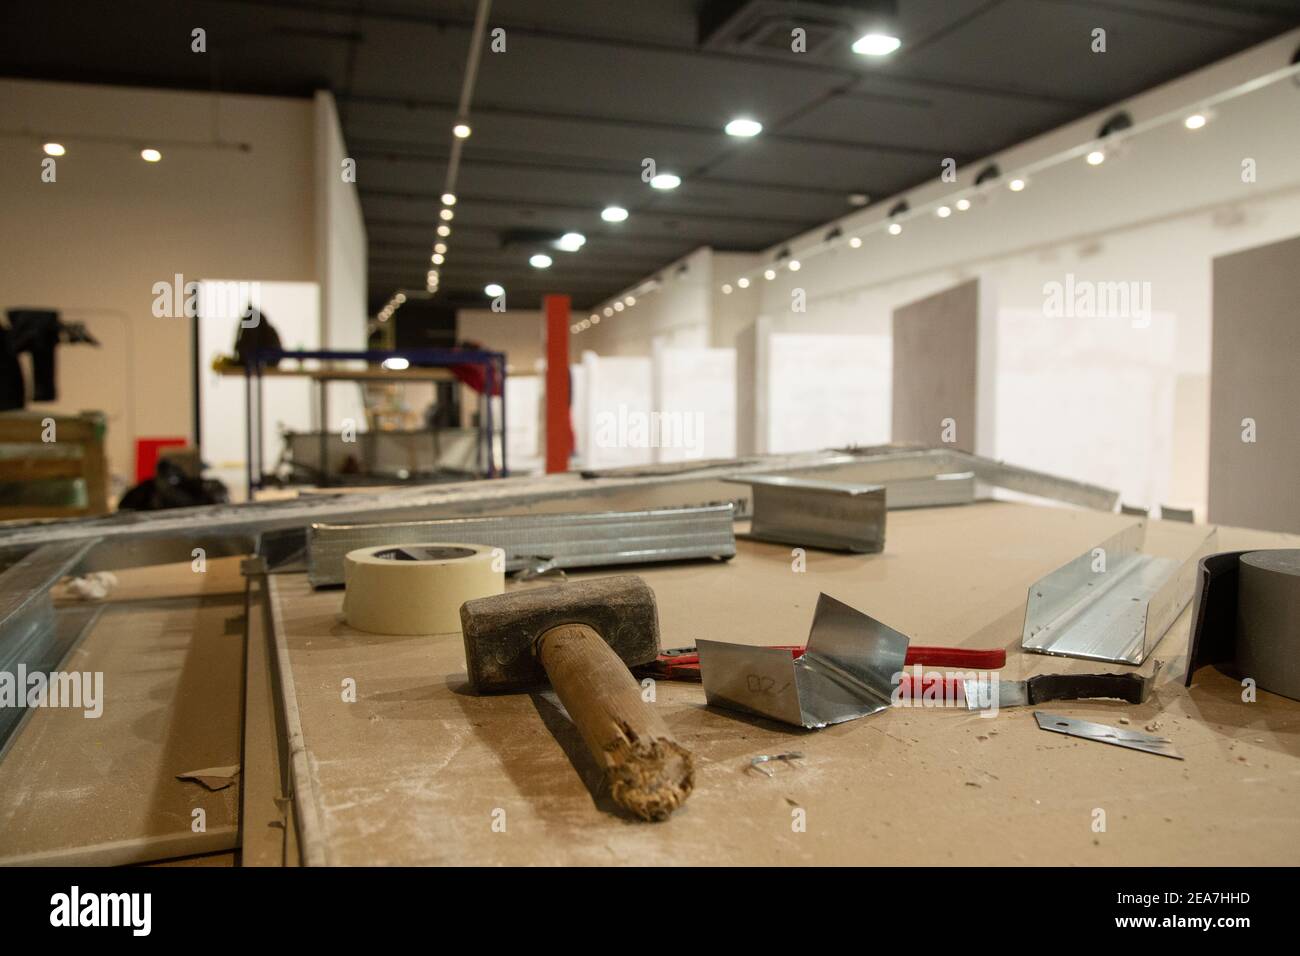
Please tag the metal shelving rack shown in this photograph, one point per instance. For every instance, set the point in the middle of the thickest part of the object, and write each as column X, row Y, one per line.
column 494, row 375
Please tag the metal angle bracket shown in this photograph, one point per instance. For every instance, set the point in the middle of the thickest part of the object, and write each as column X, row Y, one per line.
column 847, row 670
column 552, row 541
column 810, row 512
column 1112, row 603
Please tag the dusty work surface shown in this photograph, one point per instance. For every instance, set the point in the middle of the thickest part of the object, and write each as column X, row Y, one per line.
column 90, row 791
column 419, row 770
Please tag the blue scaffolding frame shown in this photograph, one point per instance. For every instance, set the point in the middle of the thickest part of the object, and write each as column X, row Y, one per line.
column 494, row 372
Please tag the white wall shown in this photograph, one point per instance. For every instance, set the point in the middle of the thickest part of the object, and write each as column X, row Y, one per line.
column 341, row 262
column 676, row 314
column 1156, row 212
column 235, row 195
column 520, row 334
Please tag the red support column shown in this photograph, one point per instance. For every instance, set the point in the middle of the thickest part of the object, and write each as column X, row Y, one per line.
column 559, row 428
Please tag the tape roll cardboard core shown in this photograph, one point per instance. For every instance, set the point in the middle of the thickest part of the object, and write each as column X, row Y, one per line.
column 417, row 588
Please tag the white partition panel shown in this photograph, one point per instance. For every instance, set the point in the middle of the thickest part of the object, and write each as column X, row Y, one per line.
column 577, row 410
column 523, row 423
column 293, row 308
column 695, row 397
column 823, row 391
column 616, row 419
column 1090, row 398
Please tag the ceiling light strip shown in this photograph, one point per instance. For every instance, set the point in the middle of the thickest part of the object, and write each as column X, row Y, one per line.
column 1024, row 173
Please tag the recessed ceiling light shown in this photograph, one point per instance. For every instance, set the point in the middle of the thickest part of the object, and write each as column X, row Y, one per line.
column 795, row 265
column 1016, row 185
column 943, row 212
column 446, row 214
column 726, row 288
column 876, row 44
column 855, row 242
column 150, row 155
column 618, row 306
column 438, row 259
column 571, row 241
column 54, row 149
column 461, row 131
column 1195, row 121
column 769, row 274
column 608, row 311
column 439, row 247
column 666, row 181
column 540, row 260
column 494, row 289
column 399, row 298
column 743, row 282
column 444, row 231
column 895, row 228
column 963, row 205
column 613, row 214
column 629, row 300
column 743, row 128
column 449, row 199
column 595, row 320
column 1096, row 157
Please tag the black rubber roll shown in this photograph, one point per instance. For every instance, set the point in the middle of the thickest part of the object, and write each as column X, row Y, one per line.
column 1268, row 620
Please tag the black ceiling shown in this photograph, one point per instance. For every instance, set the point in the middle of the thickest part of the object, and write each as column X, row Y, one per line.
column 587, row 88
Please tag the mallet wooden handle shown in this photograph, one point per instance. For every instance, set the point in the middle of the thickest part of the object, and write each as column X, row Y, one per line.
column 649, row 773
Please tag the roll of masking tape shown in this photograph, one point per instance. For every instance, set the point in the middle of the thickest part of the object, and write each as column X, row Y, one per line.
column 417, row 588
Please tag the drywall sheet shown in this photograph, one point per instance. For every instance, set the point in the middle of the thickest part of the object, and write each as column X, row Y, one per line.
column 1091, row 398
column 419, row 769
column 823, row 391
column 747, row 394
column 618, row 397
column 936, row 362
column 695, row 397
column 1255, row 388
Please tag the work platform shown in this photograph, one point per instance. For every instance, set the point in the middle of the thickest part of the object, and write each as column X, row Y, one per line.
column 418, row 770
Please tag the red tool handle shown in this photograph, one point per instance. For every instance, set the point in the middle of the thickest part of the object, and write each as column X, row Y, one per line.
column 944, row 688
column 981, row 660
column 685, row 664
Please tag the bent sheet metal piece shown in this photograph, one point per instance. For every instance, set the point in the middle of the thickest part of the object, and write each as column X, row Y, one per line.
column 812, row 513
column 847, row 671
column 1105, row 734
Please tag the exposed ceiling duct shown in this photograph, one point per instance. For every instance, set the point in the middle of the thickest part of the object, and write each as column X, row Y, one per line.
column 766, row 26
